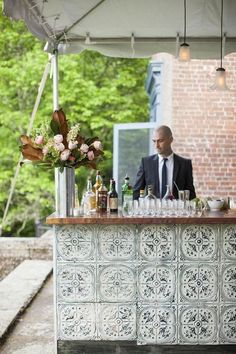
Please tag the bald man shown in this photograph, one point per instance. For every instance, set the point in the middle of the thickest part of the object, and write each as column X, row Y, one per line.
column 164, row 168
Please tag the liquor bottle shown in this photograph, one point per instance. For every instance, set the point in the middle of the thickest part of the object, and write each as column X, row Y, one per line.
column 102, row 198
column 97, row 185
column 127, row 190
column 89, row 199
column 113, row 198
column 108, row 194
column 168, row 194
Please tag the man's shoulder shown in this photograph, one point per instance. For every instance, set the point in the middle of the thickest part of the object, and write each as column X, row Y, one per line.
column 150, row 158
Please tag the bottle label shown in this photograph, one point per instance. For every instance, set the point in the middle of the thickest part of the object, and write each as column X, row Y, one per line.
column 102, row 202
column 92, row 202
column 113, row 203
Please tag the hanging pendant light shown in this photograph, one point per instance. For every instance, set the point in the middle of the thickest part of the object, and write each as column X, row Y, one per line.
column 184, row 51
column 220, row 78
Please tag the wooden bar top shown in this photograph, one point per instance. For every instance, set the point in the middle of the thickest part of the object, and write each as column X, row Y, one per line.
column 221, row 217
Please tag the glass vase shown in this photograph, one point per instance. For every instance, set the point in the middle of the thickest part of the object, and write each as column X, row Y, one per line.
column 65, row 191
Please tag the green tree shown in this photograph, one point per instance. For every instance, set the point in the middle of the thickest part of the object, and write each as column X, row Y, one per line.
column 94, row 90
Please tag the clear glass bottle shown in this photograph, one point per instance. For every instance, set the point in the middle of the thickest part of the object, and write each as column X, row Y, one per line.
column 168, row 195
column 89, row 199
column 150, row 202
column 113, row 198
column 102, row 199
column 127, row 190
column 97, row 185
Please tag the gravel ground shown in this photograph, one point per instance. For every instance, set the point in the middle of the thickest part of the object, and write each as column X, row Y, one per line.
column 7, row 265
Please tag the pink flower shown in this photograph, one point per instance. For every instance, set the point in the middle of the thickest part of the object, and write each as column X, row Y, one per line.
column 90, row 155
column 39, row 139
column 84, row 148
column 59, row 147
column 45, row 150
column 58, row 138
column 97, row 145
column 71, row 158
column 65, row 155
column 72, row 144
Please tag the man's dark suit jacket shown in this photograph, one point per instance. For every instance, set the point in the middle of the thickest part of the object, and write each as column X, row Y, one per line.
column 148, row 174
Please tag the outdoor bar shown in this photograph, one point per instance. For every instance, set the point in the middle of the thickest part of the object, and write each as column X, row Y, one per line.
column 146, row 280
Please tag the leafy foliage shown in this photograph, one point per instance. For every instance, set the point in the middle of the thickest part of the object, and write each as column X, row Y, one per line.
column 94, row 90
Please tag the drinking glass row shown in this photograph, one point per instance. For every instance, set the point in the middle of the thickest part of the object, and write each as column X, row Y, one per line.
column 161, row 207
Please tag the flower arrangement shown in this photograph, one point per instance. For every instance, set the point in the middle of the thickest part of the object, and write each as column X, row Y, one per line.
column 61, row 146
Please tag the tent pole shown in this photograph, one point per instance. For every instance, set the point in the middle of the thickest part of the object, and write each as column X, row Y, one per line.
column 55, row 80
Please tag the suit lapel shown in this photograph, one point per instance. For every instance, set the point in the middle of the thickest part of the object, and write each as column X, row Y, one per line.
column 176, row 168
column 156, row 173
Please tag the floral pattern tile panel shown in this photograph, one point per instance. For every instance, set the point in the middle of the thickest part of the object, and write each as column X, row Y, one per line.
column 76, row 283
column 77, row 321
column 157, row 324
column 228, row 279
column 198, row 242
column 117, row 322
column 228, row 324
column 75, row 242
column 116, row 243
column 157, row 283
column 157, row 242
column 198, row 325
column 229, row 243
column 116, row 283
column 198, row 282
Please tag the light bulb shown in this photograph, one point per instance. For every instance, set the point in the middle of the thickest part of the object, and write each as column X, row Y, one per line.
column 220, row 80
column 184, row 52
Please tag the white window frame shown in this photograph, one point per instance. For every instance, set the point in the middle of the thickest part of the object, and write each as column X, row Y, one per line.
column 127, row 126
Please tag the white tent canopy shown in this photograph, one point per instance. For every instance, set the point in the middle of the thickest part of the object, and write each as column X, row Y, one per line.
column 128, row 28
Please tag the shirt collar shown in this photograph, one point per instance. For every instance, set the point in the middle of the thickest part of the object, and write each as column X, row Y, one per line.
column 161, row 158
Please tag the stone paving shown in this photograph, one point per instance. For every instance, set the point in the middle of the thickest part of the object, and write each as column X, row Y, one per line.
column 33, row 331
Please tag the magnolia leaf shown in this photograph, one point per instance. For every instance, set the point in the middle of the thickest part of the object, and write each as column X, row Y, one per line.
column 54, row 125
column 26, row 140
column 31, row 153
column 60, row 118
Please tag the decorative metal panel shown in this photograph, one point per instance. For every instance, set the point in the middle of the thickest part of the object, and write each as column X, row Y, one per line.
column 198, row 283
column 229, row 243
column 156, row 284
column 117, row 283
column 77, row 321
column 157, row 325
column 199, row 243
column 75, row 243
column 157, row 242
column 76, row 283
column 117, row 322
column 116, row 243
column 198, row 324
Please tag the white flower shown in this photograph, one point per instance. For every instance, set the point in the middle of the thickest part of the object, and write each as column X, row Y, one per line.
column 97, row 145
column 59, row 147
column 72, row 144
column 58, row 138
column 84, row 148
column 90, row 155
column 45, row 150
column 65, row 155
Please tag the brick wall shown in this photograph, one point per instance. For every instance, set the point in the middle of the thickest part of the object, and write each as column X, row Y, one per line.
column 204, row 124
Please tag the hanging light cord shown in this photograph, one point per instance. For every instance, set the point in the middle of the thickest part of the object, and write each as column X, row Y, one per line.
column 185, row 20
column 221, row 34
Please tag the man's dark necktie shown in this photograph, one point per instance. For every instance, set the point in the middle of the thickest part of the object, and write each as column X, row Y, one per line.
column 164, row 178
